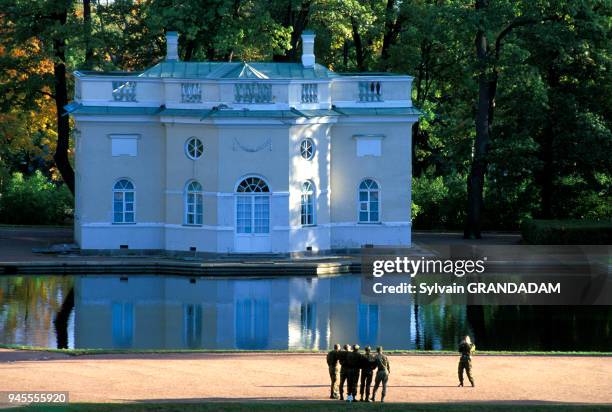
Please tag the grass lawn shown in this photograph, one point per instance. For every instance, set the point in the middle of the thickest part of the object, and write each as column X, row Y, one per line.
column 314, row 406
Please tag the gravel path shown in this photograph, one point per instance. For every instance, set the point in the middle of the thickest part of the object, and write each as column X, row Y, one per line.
column 245, row 377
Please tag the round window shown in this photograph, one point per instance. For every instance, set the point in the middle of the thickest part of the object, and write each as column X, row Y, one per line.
column 307, row 149
column 194, row 148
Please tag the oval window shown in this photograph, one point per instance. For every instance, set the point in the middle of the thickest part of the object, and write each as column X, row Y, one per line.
column 307, row 149
column 194, row 148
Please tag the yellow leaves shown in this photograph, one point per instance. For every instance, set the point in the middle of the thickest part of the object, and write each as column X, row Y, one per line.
column 32, row 131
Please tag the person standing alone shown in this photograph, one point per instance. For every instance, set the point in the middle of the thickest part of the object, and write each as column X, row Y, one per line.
column 466, row 349
column 382, row 374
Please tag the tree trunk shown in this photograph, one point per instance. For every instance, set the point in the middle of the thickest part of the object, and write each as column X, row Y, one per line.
column 87, row 28
column 390, row 30
column 475, row 182
column 298, row 21
column 546, row 175
column 358, row 45
column 61, row 100
column 189, row 49
column 345, row 54
column 61, row 320
column 418, row 137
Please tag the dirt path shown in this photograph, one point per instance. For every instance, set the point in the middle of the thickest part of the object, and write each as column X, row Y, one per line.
column 227, row 377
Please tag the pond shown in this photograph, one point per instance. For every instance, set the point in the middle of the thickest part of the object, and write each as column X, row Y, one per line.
column 178, row 312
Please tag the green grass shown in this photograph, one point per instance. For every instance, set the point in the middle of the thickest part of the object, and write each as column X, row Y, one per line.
column 316, row 406
column 79, row 352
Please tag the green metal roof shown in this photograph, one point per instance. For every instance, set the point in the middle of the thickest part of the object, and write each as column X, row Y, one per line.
column 378, row 111
column 76, row 108
column 223, row 70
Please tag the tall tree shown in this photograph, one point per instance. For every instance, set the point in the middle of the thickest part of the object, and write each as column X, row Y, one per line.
column 488, row 56
column 295, row 15
column 46, row 25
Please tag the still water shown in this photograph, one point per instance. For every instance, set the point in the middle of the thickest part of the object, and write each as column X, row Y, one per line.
column 172, row 312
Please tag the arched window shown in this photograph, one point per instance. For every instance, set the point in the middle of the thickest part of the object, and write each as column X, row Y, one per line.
column 369, row 201
column 193, row 203
column 252, row 184
column 307, row 204
column 123, row 202
column 253, row 206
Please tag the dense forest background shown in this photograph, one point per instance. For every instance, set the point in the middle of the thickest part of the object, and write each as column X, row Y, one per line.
column 516, row 95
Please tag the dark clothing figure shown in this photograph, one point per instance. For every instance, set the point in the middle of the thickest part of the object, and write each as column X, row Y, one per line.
column 342, row 360
column 382, row 375
column 334, row 373
column 368, row 365
column 353, row 363
column 466, row 349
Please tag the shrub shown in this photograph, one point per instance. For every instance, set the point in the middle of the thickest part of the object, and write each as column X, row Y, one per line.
column 567, row 232
column 34, row 200
column 439, row 201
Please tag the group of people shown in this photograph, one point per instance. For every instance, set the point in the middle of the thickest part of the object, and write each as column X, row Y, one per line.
column 346, row 365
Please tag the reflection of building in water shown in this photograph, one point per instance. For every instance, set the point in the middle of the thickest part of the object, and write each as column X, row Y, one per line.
column 280, row 313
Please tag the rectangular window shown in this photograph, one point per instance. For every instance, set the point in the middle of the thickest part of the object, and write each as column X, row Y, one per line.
column 262, row 214
column 124, row 144
column 243, row 214
column 307, row 209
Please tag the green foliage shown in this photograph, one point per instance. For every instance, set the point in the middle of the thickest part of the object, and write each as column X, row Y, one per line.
column 551, row 128
column 567, row 232
column 35, row 201
column 439, row 200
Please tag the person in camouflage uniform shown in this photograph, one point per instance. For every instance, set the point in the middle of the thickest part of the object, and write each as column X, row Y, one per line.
column 368, row 365
column 382, row 374
column 342, row 359
column 354, row 360
column 466, row 349
column 332, row 363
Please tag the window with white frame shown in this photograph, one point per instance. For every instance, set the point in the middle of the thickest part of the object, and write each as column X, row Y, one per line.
column 194, row 148
column 307, row 204
column 307, row 149
column 193, row 203
column 253, row 206
column 123, row 202
column 369, row 201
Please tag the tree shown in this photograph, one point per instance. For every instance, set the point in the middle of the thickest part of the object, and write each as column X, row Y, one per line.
column 42, row 27
column 488, row 56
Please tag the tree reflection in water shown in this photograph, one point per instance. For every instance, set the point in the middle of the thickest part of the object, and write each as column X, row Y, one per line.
column 28, row 307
